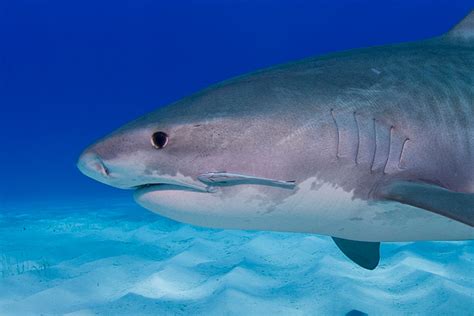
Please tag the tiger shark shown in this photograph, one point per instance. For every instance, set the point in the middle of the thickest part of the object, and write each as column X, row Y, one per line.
column 367, row 146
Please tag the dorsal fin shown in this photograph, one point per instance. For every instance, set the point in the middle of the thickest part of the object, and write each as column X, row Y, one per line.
column 464, row 30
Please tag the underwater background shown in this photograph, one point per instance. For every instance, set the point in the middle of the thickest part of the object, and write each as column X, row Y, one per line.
column 72, row 71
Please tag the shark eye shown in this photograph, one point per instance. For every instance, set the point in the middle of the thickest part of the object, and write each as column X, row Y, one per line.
column 159, row 140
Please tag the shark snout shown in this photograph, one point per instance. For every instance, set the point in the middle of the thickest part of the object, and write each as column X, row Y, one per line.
column 121, row 173
column 91, row 164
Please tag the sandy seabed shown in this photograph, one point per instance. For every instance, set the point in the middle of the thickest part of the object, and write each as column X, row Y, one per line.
column 118, row 259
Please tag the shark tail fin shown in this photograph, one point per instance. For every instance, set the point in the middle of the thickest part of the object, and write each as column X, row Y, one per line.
column 464, row 30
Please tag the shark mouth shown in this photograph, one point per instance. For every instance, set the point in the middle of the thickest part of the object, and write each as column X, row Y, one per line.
column 211, row 180
column 172, row 185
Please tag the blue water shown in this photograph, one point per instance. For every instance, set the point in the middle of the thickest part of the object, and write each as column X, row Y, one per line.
column 72, row 71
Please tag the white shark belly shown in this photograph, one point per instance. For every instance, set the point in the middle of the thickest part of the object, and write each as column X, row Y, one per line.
column 326, row 210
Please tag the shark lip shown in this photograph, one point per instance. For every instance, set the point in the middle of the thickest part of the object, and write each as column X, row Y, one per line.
column 171, row 186
column 146, row 185
column 208, row 182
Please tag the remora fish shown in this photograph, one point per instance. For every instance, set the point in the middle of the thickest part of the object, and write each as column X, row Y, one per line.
column 367, row 145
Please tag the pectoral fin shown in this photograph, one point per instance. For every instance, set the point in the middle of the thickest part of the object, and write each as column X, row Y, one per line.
column 225, row 178
column 365, row 254
column 454, row 205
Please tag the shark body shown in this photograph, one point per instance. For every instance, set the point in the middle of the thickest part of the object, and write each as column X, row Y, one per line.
column 367, row 145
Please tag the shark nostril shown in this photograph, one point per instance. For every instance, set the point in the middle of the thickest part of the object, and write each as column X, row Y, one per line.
column 100, row 167
column 91, row 163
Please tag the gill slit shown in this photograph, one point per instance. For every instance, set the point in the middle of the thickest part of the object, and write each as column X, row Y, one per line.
column 337, row 131
column 401, row 153
column 389, row 148
column 375, row 146
column 358, row 139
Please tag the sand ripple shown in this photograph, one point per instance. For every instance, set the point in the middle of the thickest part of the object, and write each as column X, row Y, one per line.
column 119, row 259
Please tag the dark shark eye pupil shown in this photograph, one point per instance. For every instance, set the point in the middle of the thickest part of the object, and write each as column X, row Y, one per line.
column 159, row 140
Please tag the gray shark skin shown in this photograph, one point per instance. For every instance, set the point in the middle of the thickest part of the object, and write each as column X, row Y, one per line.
column 367, row 145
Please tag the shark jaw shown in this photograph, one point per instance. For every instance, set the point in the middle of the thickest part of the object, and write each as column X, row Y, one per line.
column 172, row 185
column 212, row 180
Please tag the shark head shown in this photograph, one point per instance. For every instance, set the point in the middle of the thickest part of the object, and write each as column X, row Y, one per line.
column 201, row 155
